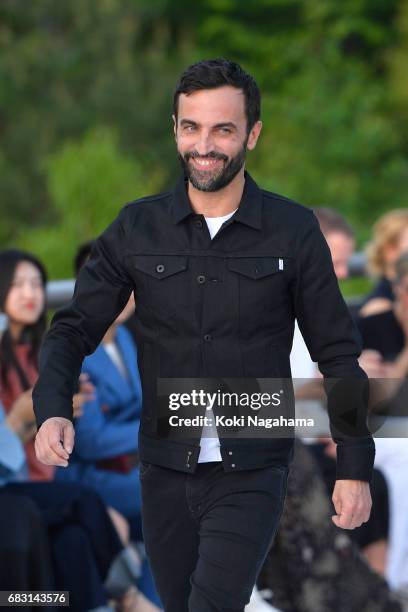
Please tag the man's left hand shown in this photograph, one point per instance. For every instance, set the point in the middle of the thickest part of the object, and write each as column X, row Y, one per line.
column 352, row 502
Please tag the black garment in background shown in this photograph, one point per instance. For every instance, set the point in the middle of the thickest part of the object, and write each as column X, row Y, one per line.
column 377, row 526
column 207, row 534
column 383, row 289
column 83, row 539
column 383, row 333
column 25, row 556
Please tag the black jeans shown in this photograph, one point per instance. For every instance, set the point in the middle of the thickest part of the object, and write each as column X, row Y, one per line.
column 207, row 534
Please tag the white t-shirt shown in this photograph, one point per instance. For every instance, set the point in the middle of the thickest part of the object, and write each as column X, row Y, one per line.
column 210, row 444
column 116, row 357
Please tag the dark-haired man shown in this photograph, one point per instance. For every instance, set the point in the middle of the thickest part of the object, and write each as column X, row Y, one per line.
column 220, row 270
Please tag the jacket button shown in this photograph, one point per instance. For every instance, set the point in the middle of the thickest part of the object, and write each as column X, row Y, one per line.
column 201, row 279
column 199, row 224
column 160, row 268
column 232, row 465
column 208, row 337
column 230, row 452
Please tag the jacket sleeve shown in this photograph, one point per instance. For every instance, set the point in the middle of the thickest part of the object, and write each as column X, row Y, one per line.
column 333, row 342
column 101, row 292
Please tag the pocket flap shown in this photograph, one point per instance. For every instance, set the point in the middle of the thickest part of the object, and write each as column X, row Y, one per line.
column 256, row 267
column 159, row 266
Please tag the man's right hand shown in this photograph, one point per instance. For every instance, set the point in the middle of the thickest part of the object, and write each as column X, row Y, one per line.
column 54, row 441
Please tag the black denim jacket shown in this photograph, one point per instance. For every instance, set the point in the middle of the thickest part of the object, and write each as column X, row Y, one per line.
column 212, row 308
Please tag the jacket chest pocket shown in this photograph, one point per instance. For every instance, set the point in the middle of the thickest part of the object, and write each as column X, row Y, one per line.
column 257, row 268
column 261, row 283
column 161, row 281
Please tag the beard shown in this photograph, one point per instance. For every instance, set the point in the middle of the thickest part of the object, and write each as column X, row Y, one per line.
column 212, row 180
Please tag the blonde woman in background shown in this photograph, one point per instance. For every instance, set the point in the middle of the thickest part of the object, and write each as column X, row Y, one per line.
column 390, row 240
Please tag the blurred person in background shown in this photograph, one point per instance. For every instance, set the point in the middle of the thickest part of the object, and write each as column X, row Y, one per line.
column 23, row 302
column 372, row 536
column 385, row 357
column 25, row 554
column 390, row 240
column 106, row 432
column 386, row 334
column 313, row 566
column 339, row 236
column 325, row 564
column 84, row 541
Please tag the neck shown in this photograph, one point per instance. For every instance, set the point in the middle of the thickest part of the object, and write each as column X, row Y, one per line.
column 15, row 330
column 218, row 203
column 109, row 335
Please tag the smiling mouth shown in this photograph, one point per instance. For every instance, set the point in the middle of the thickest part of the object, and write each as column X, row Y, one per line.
column 205, row 164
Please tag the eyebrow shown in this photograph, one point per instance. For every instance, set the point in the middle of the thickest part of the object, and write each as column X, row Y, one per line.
column 224, row 124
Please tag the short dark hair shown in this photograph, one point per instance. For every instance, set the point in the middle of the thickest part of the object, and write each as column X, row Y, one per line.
column 210, row 74
column 82, row 255
column 331, row 221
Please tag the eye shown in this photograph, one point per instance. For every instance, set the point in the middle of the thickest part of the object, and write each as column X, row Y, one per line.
column 224, row 130
column 189, row 128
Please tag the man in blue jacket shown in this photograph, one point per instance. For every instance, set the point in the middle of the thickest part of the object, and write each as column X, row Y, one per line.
column 220, row 270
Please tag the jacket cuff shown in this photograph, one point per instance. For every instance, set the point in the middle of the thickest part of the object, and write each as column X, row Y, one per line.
column 355, row 461
column 48, row 408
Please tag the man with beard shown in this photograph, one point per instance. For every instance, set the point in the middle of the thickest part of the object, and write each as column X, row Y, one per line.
column 220, row 270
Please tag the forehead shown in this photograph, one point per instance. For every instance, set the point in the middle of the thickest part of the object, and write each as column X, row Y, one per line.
column 26, row 269
column 208, row 106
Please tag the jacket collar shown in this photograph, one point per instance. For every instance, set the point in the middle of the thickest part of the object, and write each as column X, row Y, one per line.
column 249, row 211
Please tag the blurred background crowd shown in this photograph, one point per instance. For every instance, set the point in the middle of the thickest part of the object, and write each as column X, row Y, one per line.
column 85, row 116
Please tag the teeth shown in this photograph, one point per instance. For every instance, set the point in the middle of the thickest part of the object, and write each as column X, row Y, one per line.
column 204, row 162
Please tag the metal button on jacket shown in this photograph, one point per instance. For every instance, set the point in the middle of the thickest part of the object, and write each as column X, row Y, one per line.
column 201, row 279
column 160, row 268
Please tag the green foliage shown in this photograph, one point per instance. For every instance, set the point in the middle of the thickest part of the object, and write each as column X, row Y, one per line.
column 89, row 181
column 357, row 286
column 86, row 90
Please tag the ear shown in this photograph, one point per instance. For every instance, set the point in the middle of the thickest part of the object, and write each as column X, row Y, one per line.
column 174, row 126
column 254, row 135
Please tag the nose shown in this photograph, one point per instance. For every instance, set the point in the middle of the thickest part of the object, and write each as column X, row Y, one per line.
column 28, row 291
column 204, row 144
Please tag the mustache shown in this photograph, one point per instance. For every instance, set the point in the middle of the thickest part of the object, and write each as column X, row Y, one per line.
column 211, row 155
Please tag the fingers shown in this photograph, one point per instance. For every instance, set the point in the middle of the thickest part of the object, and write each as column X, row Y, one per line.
column 352, row 516
column 77, row 411
column 48, row 456
column 68, row 439
column 352, row 503
column 45, row 454
column 347, row 521
column 54, row 442
column 86, row 387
